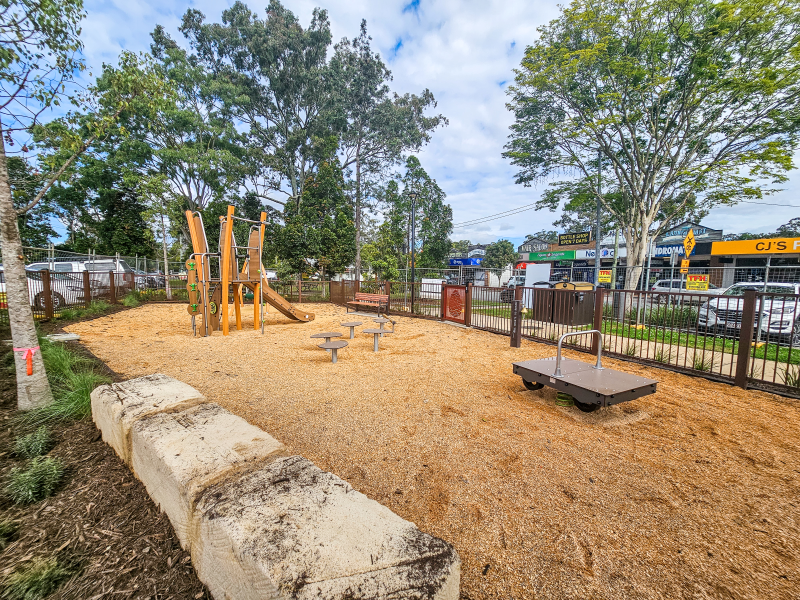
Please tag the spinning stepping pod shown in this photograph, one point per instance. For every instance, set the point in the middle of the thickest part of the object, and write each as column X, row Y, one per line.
column 327, row 336
column 352, row 325
column 377, row 334
column 380, row 321
column 332, row 347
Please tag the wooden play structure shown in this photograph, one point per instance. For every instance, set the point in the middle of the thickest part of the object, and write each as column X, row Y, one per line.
column 215, row 281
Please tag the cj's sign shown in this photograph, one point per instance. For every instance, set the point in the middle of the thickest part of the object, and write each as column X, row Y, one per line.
column 573, row 239
column 765, row 246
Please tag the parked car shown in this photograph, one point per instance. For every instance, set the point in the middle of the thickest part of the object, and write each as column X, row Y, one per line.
column 98, row 269
column 507, row 294
column 780, row 316
column 62, row 286
column 678, row 286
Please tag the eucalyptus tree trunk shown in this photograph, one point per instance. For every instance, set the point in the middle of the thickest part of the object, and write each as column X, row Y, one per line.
column 33, row 391
column 164, row 248
column 357, row 216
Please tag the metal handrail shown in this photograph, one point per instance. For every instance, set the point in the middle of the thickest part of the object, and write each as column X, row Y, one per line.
column 597, row 366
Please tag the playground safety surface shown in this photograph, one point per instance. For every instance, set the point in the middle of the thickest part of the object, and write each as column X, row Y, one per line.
column 691, row 492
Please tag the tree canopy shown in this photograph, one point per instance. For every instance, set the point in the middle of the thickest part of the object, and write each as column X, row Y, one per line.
column 685, row 102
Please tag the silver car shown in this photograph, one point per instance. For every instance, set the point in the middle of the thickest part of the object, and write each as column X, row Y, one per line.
column 780, row 314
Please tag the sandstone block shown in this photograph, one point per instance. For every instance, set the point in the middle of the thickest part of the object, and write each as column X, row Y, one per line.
column 177, row 455
column 290, row 530
column 117, row 406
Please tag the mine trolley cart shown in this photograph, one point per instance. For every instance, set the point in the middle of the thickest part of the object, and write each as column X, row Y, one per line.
column 592, row 386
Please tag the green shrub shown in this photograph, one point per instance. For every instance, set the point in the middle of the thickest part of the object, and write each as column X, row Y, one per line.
column 131, row 300
column 37, row 580
column 631, row 350
column 673, row 316
column 69, row 314
column 72, row 379
column 7, row 531
column 34, row 444
column 662, row 357
column 72, row 399
column 97, row 307
column 38, row 481
column 792, row 377
column 701, row 363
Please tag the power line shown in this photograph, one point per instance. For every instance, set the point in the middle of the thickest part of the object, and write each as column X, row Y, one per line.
column 527, row 207
column 495, row 216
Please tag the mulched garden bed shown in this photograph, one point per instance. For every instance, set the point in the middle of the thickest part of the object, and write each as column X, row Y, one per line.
column 101, row 521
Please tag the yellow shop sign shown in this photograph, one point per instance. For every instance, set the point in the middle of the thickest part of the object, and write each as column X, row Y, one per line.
column 765, row 246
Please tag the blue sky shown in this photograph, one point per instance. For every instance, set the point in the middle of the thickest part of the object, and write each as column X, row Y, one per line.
column 464, row 51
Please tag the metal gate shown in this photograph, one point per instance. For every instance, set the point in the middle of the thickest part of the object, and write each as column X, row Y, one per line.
column 454, row 303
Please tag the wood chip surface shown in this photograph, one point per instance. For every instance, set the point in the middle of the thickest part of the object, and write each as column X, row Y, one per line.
column 693, row 492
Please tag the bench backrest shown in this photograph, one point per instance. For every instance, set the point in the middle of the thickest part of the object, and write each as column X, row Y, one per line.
column 372, row 297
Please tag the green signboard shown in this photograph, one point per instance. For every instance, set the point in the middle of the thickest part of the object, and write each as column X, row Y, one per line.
column 555, row 255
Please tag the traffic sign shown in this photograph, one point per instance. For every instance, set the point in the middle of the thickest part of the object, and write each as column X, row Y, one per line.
column 689, row 243
column 684, row 266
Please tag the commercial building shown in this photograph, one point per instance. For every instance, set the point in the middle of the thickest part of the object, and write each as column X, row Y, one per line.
column 771, row 259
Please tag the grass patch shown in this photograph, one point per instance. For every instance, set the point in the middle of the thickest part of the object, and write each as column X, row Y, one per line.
column 34, row 444
column 662, row 357
column 38, row 481
column 72, row 379
column 73, row 313
column 792, row 377
column 7, row 531
column 37, row 580
column 701, row 363
column 131, row 300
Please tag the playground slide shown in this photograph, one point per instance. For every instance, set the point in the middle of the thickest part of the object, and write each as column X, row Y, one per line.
column 275, row 300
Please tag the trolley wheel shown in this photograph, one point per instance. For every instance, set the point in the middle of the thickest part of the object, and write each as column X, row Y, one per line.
column 532, row 385
column 587, row 408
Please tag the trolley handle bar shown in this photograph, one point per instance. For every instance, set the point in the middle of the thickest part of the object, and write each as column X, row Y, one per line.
column 597, row 366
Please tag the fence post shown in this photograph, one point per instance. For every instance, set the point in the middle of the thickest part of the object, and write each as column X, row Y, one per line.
column 387, row 288
column 468, row 306
column 112, row 288
column 516, row 323
column 87, row 290
column 599, row 300
column 745, row 338
column 300, row 289
column 48, row 294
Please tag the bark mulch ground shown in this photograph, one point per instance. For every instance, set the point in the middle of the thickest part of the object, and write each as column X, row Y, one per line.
column 101, row 521
column 692, row 492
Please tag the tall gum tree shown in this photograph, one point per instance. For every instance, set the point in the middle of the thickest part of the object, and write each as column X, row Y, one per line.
column 277, row 85
column 376, row 127
column 686, row 101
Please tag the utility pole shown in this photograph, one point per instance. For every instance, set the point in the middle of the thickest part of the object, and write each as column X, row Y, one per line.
column 597, row 233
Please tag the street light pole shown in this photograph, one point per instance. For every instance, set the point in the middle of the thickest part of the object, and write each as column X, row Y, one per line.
column 413, row 196
column 597, row 233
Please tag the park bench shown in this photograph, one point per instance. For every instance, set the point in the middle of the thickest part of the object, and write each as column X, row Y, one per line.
column 378, row 301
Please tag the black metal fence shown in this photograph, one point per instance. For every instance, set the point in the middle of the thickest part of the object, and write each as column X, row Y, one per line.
column 53, row 292
column 748, row 340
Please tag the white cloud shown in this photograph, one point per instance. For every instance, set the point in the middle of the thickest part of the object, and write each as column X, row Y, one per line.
column 464, row 51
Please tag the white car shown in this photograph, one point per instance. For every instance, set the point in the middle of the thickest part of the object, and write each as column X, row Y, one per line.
column 62, row 286
column 678, row 286
column 780, row 315
column 99, row 270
